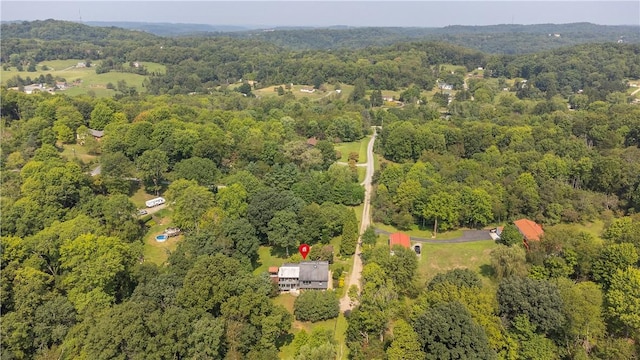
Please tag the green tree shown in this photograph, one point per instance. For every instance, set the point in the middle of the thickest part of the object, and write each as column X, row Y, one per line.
column 233, row 201
column 283, row 230
column 508, row 261
column 441, row 207
column 207, row 338
column 369, row 236
column 202, row 170
column 359, row 90
column 623, row 300
column 349, row 234
column 405, row 343
column 190, row 206
column 539, row 300
column 613, row 257
column 583, row 308
column 96, row 270
column 532, row 346
column 511, row 235
column 120, row 218
column 314, row 305
column 457, row 277
column 152, row 165
column 447, row 331
column 475, row 207
column 376, row 98
column 101, row 116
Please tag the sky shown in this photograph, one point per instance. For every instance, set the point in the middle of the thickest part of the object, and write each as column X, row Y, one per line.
column 329, row 13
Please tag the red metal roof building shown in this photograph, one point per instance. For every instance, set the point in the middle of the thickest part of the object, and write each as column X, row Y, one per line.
column 399, row 238
column 529, row 229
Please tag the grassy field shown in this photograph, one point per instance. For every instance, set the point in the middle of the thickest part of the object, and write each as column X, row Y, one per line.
column 425, row 234
column 295, row 90
column 359, row 146
column 437, row 258
column 139, row 198
column 90, row 81
column 337, row 325
column 71, row 151
column 158, row 252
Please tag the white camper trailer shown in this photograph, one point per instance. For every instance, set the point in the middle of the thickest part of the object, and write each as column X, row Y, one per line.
column 155, row 202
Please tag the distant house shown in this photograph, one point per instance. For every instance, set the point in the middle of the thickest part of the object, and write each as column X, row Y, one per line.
column 305, row 275
column 81, row 65
column 81, row 136
column 97, row 134
column 530, row 230
column 30, row 89
column 445, row 86
column 309, row 91
column 61, row 85
column 312, row 141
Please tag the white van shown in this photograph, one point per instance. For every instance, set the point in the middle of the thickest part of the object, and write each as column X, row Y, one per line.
column 155, row 202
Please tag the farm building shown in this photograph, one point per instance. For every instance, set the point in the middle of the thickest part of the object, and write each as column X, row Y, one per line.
column 530, row 230
column 402, row 239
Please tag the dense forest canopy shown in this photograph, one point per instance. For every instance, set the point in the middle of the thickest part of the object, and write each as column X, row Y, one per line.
column 553, row 136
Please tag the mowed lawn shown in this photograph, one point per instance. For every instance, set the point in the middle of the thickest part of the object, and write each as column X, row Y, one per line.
column 415, row 231
column 154, row 251
column 73, row 151
column 439, row 258
column 359, row 147
column 338, row 326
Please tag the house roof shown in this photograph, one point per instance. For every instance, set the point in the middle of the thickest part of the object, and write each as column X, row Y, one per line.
column 289, row 271
column 273, row 269
column 313, row 141
column 96, row 133
column 529, row 229
column 399, row 238
column 314, row 271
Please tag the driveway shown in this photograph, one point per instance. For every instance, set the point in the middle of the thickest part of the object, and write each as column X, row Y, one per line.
column 356, row 270
column 467, row 236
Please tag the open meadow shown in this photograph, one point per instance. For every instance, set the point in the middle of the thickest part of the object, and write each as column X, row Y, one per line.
column 83, row 80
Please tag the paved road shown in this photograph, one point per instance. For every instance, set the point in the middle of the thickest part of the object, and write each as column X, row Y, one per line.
column 356, row 270
column 467, row 236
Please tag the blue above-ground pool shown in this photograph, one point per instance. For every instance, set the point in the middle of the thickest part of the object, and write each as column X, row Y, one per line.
column 161, row 238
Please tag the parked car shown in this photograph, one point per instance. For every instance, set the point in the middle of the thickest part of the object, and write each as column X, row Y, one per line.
column 142, row 212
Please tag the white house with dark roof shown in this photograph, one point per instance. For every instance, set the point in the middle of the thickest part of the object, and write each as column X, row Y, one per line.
column 305, row 275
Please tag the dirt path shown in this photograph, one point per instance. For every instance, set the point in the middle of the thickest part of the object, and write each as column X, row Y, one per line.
column 356, row 270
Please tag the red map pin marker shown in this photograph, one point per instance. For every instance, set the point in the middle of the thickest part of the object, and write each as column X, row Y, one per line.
column 304, row 250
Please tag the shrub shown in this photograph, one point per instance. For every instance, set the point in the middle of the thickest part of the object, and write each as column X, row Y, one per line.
column 315, row 305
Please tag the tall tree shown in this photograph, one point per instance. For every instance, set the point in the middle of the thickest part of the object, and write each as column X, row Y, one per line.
column 152, row 165
column 349, row 234
column 447, row 331
column 441, row 207
column 284, row 230
column 405, row 343
column 539, row 300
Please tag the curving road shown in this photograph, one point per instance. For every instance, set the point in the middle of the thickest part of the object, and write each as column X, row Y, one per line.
column 356, row 270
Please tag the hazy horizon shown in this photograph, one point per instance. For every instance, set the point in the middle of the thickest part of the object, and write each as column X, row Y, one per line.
column 330, row 13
